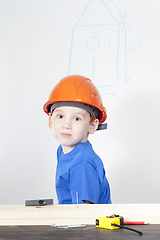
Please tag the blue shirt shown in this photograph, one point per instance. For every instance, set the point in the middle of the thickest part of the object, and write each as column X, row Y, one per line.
column 81, row 173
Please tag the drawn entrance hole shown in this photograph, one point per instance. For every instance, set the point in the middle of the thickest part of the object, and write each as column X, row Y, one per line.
column 93, row 43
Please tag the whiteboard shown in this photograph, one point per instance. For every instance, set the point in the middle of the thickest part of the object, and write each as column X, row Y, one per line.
column 115, row 44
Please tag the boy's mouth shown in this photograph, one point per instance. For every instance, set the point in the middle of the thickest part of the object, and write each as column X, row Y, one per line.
column 66, row 135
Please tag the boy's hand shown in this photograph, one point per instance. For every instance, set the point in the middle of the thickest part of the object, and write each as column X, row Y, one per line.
column 87, row 202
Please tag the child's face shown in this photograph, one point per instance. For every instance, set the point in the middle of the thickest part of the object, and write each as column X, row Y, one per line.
column 71, row 125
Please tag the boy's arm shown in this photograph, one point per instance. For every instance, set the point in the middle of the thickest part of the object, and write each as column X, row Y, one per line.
column 84, row 182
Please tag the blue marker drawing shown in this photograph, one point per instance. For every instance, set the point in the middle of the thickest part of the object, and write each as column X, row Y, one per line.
column 125, row 28
column 95, row 44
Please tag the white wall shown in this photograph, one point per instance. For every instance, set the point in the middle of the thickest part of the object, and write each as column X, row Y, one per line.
column 116, row 44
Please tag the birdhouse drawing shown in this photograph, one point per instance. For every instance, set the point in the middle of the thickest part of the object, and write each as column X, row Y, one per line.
column 95, row 43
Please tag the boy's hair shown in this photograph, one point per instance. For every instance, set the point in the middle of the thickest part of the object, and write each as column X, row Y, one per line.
column 92, row 118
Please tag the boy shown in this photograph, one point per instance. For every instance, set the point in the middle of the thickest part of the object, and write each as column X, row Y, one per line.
column 75, row 110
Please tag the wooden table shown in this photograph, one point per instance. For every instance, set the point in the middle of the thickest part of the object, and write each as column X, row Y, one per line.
column 150, row 232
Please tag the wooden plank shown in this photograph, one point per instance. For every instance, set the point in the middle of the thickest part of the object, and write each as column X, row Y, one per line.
column 71, row 214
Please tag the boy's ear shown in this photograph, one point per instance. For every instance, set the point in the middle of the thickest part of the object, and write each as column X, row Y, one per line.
column 50, row 120
column 93, row 126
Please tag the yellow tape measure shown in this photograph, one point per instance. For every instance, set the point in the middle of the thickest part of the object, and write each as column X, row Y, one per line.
column 106, row 222
column 113, row 222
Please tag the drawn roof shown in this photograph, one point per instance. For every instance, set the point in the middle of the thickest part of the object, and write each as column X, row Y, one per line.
column 100, row 12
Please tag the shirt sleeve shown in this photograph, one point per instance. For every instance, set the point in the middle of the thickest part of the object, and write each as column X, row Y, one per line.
column 84, row 183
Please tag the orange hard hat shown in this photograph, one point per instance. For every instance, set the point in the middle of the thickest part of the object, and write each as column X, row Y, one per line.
column 76, row 89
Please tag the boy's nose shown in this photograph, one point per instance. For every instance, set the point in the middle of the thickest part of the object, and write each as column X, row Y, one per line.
column 67, row 124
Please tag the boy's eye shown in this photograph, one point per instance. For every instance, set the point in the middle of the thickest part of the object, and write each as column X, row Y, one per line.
column 77, row 119
column 60, row 116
